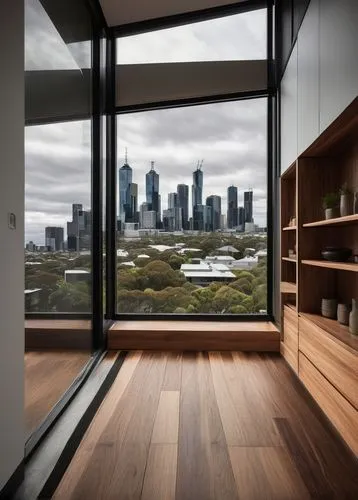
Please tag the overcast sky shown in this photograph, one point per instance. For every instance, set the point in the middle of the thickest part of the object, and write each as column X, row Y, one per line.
column 230, row 137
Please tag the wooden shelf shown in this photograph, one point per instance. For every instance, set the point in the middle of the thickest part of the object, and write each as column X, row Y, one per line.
column 342, row 266
column 349, row 219
column 291, row 228
column 288, row 259
column 288, row 287
column 335, row 329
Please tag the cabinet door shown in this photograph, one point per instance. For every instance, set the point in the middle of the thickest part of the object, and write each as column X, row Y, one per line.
column 308, row 78
column 338, row 46
column 289, row 112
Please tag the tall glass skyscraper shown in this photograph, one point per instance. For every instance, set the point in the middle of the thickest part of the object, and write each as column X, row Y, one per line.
column 248, row 206
column 125, row 182
column 214, row 202
column 152, row 190
column 197, row 188
column 183, row 203
column 232, row 212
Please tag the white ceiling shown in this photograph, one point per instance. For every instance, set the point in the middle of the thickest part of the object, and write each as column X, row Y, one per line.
column 119, row 12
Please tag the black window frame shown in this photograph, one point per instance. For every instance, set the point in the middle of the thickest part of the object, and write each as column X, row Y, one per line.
column 269, row 93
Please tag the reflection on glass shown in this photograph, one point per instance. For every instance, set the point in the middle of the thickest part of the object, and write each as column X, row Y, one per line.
column 235, row 37
column 197, row 243
column 58, row 221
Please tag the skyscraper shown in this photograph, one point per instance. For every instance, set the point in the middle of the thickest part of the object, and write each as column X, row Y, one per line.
column 232, row 207
column 183, row 203
column 79, row 229
column 125, row 181
column 248, row 202
column 197, row 196
column 202, row 218
column 172, row 200
column 152, row 190
column 133, row 196
column 241, row 218
column 214, row 202
column 54, row 238
column 197, row 187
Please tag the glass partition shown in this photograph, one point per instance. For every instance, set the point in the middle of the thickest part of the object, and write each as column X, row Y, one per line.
column 58, row 211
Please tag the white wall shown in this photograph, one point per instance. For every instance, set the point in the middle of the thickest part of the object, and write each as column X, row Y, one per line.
column 321, row 78
column 289, row 112
column 11, row 241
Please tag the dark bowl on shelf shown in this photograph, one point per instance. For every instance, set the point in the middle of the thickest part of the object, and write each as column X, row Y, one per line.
column 335, row 254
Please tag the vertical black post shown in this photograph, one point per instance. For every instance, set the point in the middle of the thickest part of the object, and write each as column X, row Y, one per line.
column 97, row 233
column 111, row 138
column 271, row 178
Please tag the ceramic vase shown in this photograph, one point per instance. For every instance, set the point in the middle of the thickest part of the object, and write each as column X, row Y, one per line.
column 329, row 308
column 355, row 208
column 343, row 314
column 353, row 318
column 330, row 213
column 345, row 206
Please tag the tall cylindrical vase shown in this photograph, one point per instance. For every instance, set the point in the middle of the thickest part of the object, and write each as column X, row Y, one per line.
column 346, row 205
column 353, row 318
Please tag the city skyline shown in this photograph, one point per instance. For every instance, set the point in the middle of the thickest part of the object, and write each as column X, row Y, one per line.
column 204, row 192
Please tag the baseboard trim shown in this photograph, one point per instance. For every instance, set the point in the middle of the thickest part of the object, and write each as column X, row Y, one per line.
column 13, row 483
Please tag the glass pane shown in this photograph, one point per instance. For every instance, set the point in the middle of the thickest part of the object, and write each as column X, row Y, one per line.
column 58, row 222
column 192, row 210
column 236, row 37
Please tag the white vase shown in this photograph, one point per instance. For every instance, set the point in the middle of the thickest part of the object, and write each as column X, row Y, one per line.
column 353, row 318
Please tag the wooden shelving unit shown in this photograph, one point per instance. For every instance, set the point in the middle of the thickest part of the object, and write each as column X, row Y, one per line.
column 349, row 219
column 338, row 332
column 340, row 266
column 288, row 287
column 289, row 259
column 307, row 338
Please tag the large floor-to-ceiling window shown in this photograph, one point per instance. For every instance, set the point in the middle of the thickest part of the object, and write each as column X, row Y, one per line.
column 192, row 169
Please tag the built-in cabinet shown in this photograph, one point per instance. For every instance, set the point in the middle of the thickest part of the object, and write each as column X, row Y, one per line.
column 322, row 351
column 321, row 77
column 338, row 47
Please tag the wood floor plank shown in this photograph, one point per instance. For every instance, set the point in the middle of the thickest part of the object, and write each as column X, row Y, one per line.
column 266, row 473
column 246, row 419
column 160, row 475
column 172, row 377
column 99, row 475
column 204, row 469
column 166, row 425
column 101, row 420
column 117, row 458
column 48, row 374
column 320, row 464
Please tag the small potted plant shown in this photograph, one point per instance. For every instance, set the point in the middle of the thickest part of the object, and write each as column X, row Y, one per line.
column 331, row 205
column 346, row 201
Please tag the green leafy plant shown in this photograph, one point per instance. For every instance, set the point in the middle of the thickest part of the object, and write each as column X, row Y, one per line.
column 331, row 200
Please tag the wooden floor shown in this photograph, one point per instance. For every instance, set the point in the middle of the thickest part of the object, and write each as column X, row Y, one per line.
column 47, row 376
column 201, row 426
